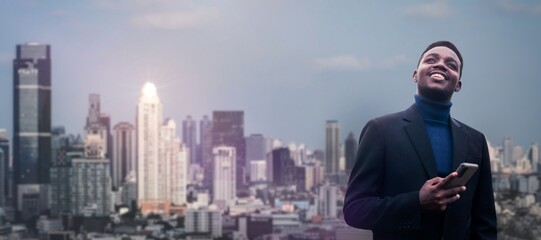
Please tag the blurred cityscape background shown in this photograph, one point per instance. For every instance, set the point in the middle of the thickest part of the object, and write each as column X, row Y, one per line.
column 208, row 120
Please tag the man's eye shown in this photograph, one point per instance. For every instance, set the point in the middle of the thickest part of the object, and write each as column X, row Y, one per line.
column 430, row 60
column 452, row 66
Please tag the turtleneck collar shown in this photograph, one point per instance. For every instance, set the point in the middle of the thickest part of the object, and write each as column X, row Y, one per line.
column 433, row 111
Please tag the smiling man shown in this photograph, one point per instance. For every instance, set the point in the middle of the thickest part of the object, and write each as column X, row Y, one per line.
column 399, row 187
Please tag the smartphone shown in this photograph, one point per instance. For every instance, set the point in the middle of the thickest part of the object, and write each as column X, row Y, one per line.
column 465, row 171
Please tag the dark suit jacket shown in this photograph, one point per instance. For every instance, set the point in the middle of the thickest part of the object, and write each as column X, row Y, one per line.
column 394, row 160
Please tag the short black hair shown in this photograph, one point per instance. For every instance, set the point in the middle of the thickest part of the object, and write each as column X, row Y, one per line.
column 446, row 44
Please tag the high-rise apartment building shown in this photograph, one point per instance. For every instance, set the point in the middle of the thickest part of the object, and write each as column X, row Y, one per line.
column 225, row 187
column 31, row 126
column 228, row 130
column 174, row 155
column 90, row 187
column 332, row 147
column 350, row 151
column 124, row 152
column 179, row 180
column 151, row 192
column 60, row 187
column 189, row 138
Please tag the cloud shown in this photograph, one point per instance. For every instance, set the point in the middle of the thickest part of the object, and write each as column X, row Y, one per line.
column 523, row 8
column 176, row 19
column 161, row 14
column 352, row 63
column 439, row 9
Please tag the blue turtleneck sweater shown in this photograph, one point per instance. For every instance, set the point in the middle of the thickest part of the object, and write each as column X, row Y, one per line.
column 436, row 118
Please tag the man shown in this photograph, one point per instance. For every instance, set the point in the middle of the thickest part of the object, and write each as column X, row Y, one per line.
column 399, row 188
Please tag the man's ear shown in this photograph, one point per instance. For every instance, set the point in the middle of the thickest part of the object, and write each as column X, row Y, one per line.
column 458, row 86
column 415, row 76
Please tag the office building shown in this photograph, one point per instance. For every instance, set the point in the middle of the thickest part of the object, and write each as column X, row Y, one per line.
column 228, row 130
column 350, row 151
column 174, row 178
column 332, row 147
column 31, row 127
column 283, row 167
column 4, row 145
column 189, row 138
column 123, row 152
column 257, row 147
column 205, row 148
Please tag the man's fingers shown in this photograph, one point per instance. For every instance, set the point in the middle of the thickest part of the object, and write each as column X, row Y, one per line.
column 447, row 179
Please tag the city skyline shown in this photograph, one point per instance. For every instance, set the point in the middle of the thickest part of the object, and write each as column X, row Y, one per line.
column 328, row 61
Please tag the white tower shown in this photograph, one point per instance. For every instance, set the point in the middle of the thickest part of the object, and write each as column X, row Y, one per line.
column 150, row 191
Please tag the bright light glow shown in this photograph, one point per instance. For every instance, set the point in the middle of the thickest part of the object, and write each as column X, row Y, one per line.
column 149, row 89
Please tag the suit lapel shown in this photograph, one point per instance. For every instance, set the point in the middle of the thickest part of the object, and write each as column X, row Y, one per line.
column 460, row 143
column 418, row 136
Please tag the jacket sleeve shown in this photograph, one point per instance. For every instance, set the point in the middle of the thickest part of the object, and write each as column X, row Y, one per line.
column 483, row 224
column 365, row 205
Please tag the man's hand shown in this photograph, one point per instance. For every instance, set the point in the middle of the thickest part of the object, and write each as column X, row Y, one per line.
column 436, row 195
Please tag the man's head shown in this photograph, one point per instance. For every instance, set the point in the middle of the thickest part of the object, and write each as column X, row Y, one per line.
column 438, row 71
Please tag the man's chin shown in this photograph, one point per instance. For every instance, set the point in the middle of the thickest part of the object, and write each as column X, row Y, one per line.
column 436, row 95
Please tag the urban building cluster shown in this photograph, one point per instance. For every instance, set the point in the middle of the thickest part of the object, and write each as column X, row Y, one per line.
column 140, row 179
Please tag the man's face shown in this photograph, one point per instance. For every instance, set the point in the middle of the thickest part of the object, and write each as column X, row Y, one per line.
column 438, row 74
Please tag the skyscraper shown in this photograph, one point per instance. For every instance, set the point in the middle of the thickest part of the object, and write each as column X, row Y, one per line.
column 328, row 201
column 283, row 167
column 534, row 156
column 189, row 138
column 2, row 172
column 124, row 152
column 31, row 126
column 93, row 109
column 174, row 155
column 332, row 147
column 224, row 176
column 228, row 130
column 350, row 151
column 507, row 151
column 4, row 145
column 205, row 134
column 150, row 191
column 257, row 147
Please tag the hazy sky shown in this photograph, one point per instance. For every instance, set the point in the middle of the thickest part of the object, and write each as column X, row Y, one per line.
column 290, row 65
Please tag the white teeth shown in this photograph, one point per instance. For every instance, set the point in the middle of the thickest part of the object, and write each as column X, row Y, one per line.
column 437, row 75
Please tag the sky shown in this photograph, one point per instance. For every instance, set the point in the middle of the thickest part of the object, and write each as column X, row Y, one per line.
column 289, row 65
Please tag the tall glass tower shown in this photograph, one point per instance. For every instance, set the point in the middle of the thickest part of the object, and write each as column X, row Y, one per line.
column 31, row 120
column 189, row 137
column 332, row 145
